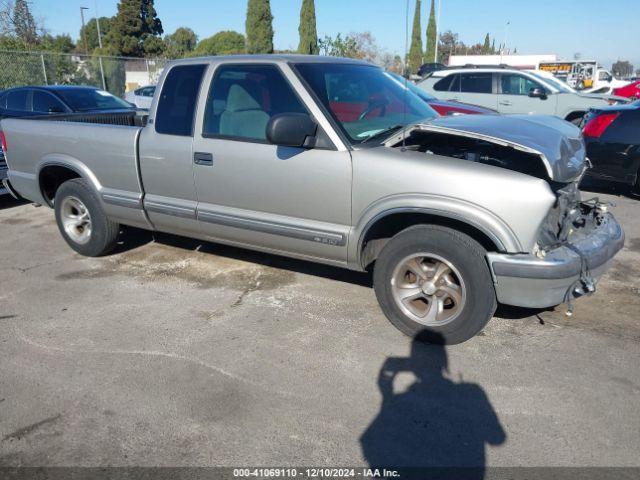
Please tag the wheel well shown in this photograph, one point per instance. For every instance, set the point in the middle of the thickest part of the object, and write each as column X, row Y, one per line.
column 384, row 229
column 574, row 115
column 51, row 177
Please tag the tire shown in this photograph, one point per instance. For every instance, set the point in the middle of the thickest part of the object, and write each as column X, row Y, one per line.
column 81, row 220
column 463, row 271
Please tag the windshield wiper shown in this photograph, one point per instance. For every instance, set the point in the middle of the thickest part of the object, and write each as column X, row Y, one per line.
column 387, row 131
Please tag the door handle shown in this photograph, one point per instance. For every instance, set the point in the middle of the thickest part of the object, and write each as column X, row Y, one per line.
column 203, row 158
column 506, row 103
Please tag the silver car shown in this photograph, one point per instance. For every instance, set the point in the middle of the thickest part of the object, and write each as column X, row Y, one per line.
column 141, row 97
column 511, row 91
column 332, row 161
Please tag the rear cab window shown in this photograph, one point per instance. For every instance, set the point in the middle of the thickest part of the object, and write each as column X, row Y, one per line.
column 175, row 114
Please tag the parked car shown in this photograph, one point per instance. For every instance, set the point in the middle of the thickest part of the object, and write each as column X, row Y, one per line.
column 59, row 99
column 427, row 68
column 443, row 108
column 141, row 97
column 632, row 90
column 510, row 91
column 453, row 214
column 612, row 136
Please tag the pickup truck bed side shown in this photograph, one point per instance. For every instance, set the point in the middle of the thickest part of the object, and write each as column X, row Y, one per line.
column 105, row 155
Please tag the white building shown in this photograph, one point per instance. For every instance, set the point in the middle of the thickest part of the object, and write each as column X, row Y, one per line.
column 522, row 62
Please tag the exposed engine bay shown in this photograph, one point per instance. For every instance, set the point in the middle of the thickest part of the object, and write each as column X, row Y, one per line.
column 476, row 150
column 569, row 219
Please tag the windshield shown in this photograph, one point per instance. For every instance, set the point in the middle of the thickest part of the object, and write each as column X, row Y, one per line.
column 559, row 84
column 411, row 86
column 86, row 99
column 362, row 99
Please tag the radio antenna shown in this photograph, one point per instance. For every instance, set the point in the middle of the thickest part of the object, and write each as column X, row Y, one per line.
column 406, row 78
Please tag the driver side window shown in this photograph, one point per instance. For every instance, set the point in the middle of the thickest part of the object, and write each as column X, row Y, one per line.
column 243, row 98
column 44, row 102
column 513, row 84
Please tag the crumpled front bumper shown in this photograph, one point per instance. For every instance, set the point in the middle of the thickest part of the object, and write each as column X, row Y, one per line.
column 525, row 280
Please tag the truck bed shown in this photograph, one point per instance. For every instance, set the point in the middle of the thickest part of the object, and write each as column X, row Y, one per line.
column 104, row 154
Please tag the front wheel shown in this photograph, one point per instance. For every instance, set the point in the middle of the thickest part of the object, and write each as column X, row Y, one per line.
column 434, row 282
column 81, row 220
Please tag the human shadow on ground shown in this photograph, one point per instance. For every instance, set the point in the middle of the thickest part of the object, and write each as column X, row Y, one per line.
column 436, row 428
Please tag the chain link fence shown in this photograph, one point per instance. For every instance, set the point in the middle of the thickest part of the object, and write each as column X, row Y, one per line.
column 114, row 74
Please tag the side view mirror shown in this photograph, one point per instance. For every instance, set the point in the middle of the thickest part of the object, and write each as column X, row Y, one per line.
column 538, row 93
column 292, row 130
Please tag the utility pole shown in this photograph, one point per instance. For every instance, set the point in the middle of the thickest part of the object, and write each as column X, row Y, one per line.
column 98, row 24
column 104, row 82
column 84, row 30
column 504, row 45
column 435, row 60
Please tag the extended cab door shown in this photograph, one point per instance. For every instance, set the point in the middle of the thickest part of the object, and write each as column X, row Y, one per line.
column 253, row 193
column 519, row 94
column 166, row 152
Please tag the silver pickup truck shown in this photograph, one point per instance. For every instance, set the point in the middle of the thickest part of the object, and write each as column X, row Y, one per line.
column 332, row 161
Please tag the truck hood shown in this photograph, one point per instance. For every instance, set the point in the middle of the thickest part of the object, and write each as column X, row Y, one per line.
column 557, row 143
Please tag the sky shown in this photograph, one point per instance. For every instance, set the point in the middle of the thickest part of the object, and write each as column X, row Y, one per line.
column 604, row 30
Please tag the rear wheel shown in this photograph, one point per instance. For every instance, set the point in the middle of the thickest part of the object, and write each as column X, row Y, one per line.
column 434, row 282
column 81, row 220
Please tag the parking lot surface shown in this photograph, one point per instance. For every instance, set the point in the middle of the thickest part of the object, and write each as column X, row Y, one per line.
column 173, row 352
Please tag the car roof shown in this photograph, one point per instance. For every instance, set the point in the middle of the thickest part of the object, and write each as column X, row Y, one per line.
column 271, row 58
column 52, row 88
column 450, row 71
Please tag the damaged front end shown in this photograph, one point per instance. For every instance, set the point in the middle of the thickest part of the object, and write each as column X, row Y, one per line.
column 577, row 239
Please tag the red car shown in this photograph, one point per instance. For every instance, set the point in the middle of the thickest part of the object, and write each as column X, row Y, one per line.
column 630, row 91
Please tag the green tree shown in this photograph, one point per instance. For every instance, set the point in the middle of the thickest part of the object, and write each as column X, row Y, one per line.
column 415, row 52
column 136, row 29
column 90, row 30
column 432, row 35
column 59, row 43
column 180, row 43
column 493, row 47
column 222, row 43
column 622, row 68
column 259, row 27
column 23, row 24
column 307, row 29
column 355, row 45
column 486, row 48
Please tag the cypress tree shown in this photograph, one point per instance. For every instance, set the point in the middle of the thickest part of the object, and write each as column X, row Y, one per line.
column 493, row 47
column 432, row 32
column 258, row 27
column 307, row 29
column 135, row 30
column 24, row 24
column 486, row 48
column 415, row 52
